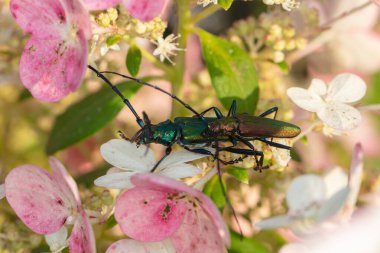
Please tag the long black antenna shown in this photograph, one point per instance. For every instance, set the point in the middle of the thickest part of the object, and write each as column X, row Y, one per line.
column 163, row 91
column 125, row 100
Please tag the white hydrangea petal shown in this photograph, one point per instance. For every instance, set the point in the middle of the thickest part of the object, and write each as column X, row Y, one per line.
column 124, row 154
column 340, row 116
column 347, row 88
column 275, row 222
column 318, row 87
column 335, row 180
column 294, row 248
column 116, row 180
column 57, row 241
column 305, row 99
column 2, row 191
column 304, row 192
column 182, row 156
column 180, row 171
column 333, row 204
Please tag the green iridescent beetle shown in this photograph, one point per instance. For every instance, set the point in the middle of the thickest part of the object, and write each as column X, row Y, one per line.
column 199, row 132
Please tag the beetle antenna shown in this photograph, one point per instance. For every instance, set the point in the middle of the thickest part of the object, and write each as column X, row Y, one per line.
column 125, row 100
column 159, row 89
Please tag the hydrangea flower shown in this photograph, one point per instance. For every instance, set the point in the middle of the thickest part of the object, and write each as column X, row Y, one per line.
column 166, row 47
column 144, row 10
column 129, row 160
column 47, row 202
column 54, row 59
column 330, row 102
column 287, row 5
column 204, row 3
column 160, row 208
column 133, row 246
column 314, row 199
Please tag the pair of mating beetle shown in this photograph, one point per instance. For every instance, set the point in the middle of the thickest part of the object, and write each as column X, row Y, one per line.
column 198, row 132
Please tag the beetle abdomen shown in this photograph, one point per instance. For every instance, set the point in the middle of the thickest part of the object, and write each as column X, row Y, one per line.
column 265, row 127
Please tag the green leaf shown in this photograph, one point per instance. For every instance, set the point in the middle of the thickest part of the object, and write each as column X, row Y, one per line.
column 232, row 72
column 24, row 95
column 213, row 189
column 113, row 40
column 239, row 173
column 284, row 66
column 226, row 4
column 133, row 60
column 88, row 116
column 243, row 245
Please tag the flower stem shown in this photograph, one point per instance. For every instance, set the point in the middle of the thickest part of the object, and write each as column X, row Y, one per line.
column 204, row 13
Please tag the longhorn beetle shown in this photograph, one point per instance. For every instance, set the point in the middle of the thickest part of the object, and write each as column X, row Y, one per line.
column 196, row 131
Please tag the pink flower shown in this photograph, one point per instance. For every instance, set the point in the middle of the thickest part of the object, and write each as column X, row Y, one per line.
column 132, row 246
column 46, row 202
column 159, row 208
column 145, row 10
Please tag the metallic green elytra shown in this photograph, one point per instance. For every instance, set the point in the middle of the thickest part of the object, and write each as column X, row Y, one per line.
column 198, row 132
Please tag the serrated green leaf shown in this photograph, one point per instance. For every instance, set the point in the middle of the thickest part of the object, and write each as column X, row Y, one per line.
column 226, row 4
column 239, row 173
column 133, row 60
column 88, row 116
column 232, row 72
column 113, row 40
column 213, row 189
column 243, row 245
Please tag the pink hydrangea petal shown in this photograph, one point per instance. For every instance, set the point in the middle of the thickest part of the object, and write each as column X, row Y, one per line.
column 149, row 215
column 156, row 182
column 37, row 199
column 51, row 69
column 133, row 246
column 144, row 10
column 82, row 239
column 197, row 234
column 99, row 4
column 63, row 178
column 40, row 18
column 78, row 17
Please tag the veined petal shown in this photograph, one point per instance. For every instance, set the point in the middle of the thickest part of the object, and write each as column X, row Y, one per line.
column 318, row 87
column 347, row 88
column 119, row 180
column 63, row 178
column 133, row 246
column 305, row 99
column 124, row 154
column 149, row 215
column 144, row 10
column 180, row 171
column 275, row 222
column 197, row 234
column 82, row 239
column 159, row 183
column 51, row 69
column 180, row 157
column 43, row 19
column 95, row 5
column 333, row 204
column 37, row 199
column 340, row 116
column 305, row 192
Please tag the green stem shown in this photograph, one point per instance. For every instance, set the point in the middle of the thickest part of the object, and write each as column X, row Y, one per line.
column 206, row 12
column 184, row 20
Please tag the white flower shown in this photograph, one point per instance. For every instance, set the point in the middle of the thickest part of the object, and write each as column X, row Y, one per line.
column 287, row 5
column 57, row 241
column 330, row 103
column 281, row 155
column 204, row 3
column 128, row 160
column 166, row 47
column 105, row 48
column 313, row 199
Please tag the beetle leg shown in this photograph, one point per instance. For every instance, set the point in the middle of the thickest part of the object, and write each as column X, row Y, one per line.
column 248, row 152
column 273, row 144
column 232, row 110
column 270, row 111
column 167, row 152
column 218, row 113
column 123, row 136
